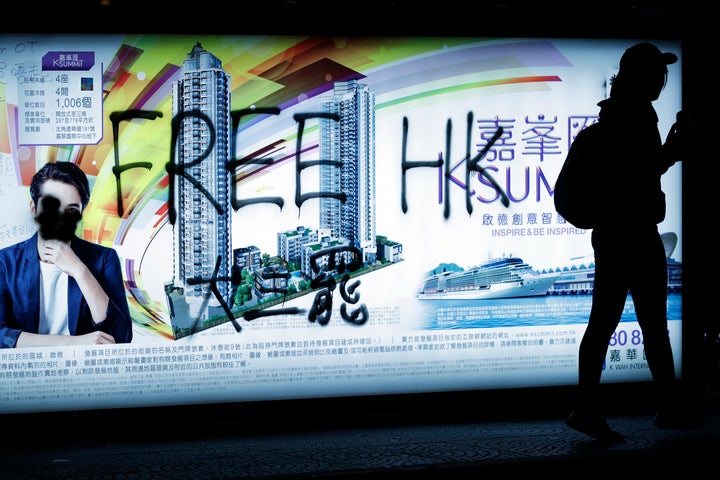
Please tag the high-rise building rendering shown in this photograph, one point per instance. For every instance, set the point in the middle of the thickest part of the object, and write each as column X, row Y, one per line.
column 202, row 231
column 351, row 141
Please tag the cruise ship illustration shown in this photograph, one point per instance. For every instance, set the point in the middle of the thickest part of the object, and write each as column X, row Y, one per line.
column 580, row 279
column 511, row 277
column 504, row 277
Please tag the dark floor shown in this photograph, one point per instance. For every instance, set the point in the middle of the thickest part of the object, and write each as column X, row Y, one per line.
column 453, row 445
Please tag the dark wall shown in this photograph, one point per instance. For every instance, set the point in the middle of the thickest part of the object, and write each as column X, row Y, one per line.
column 370, row 17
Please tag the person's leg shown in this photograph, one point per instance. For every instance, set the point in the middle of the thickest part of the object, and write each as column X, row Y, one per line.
column 608, row 303
column 649, row 293
column 609, row 296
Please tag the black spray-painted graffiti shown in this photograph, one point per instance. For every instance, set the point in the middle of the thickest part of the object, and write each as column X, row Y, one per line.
column 336, row 258
column 333, row 259
column 472, row 165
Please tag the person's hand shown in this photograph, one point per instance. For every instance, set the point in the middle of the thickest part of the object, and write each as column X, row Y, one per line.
column 677, row 140
column 60, row 254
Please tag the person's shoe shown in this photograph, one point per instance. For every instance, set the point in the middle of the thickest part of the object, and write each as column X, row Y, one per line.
column 594, row 426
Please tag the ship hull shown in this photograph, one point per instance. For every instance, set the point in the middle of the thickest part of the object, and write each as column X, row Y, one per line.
column 530, row 288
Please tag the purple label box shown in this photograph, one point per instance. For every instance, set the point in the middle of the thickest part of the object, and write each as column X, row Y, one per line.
column 68, row 60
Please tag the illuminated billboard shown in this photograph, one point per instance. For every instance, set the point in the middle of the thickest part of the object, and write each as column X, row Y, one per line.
column 302, row 217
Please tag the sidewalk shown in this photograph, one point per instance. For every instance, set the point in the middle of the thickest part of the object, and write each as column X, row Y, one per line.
column 405, row 450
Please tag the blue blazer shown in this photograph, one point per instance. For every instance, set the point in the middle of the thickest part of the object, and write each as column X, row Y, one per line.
column 20, row 287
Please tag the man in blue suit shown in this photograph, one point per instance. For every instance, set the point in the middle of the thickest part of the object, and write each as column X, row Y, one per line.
column 56, row 288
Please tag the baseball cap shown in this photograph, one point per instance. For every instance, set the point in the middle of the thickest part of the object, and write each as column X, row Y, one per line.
column 645, row 55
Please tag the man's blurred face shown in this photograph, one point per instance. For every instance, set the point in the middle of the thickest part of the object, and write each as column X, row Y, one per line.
column 59, row 211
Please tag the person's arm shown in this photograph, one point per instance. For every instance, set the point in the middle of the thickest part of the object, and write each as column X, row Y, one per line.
column 12, row 298
column 101, row 285
column 62, row 255
column 13, row 301
column 118, row 311
column 26, row 339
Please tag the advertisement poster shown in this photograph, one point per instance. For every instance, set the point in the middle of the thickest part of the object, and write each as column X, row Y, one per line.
column 303, row 217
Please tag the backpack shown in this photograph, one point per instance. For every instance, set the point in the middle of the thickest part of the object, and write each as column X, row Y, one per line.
column 577, row 195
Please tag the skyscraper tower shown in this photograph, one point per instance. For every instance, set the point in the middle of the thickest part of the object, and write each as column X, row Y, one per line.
column 352, row 142
column 202, row 232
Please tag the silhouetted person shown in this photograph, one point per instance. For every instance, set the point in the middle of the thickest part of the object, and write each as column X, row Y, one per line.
column 629, row 153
